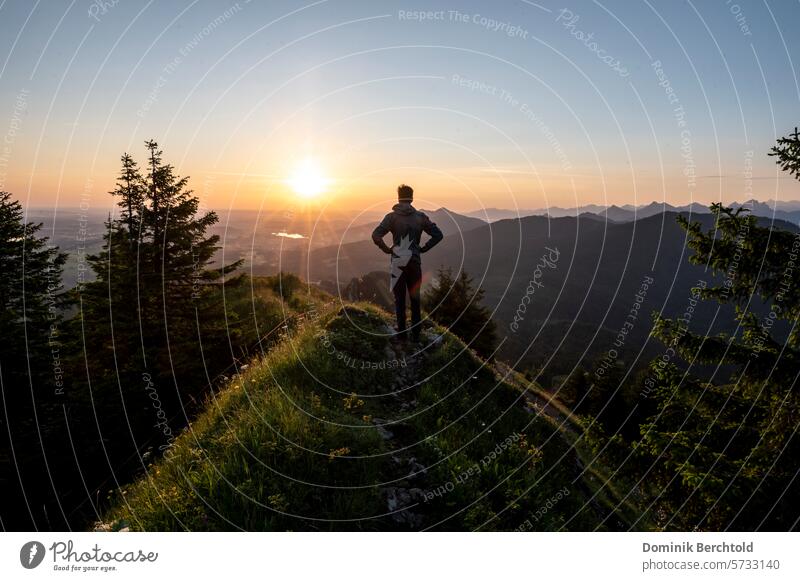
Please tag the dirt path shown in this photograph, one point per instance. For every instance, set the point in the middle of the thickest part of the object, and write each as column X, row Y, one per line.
column 408, row 475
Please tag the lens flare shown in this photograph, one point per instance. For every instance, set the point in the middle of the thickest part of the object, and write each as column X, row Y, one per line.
column 307, row 179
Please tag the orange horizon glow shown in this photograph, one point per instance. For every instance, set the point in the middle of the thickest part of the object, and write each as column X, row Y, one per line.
column 459, row 189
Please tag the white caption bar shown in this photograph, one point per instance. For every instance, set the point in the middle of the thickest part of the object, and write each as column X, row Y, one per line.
column 400, row 556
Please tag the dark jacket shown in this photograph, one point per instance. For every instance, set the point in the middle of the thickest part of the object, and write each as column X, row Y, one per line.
column 407, row 224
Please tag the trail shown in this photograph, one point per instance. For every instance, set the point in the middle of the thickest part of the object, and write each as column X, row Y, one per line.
column 408, row 476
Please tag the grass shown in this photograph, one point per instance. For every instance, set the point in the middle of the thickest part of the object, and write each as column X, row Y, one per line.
column 293, row 444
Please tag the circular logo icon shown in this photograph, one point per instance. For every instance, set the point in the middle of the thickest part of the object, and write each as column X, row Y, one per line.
column 31, row 554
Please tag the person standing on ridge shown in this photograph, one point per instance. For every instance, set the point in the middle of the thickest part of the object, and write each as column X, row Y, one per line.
column 406, row 224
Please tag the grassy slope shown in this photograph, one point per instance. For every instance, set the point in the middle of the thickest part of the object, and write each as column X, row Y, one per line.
column 278, row 449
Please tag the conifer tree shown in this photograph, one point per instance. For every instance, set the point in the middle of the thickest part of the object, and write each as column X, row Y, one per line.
column 30, row 291
column 454, row 303
column 153, row 321
column 725, row 454
column 130, row 188
column 31, row 362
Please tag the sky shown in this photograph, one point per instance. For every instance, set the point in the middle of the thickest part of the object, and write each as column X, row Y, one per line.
column 511, row 104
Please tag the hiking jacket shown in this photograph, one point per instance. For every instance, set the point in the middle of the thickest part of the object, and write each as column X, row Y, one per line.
column 406, row 224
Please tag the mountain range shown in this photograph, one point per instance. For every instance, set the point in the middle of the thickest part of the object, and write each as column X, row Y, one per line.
column 780, row 210
column 584, row 274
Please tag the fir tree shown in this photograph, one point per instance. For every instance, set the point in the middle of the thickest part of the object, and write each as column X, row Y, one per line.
column 724, row 454
column 454, row 303
column 30, row 291
column 31, row 364
column 153, row 323
column 131, row 189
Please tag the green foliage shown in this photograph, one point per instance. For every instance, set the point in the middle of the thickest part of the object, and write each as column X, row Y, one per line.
column 290, row 444
column 454, row 303
column 31, row 354
column 725, row 456
column 159, row 327
column 706, row 439
column 372, row 287
column 30, row 291
column 285, row 285
column 788, row 153
column 155, row 312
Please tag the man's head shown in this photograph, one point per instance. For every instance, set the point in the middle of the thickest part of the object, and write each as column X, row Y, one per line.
column 405, row 193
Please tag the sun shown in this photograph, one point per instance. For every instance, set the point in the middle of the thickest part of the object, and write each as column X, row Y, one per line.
column 307, row 179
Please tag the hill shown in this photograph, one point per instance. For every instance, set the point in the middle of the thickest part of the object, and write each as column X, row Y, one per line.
column 354, row 253
column 579, row 302
column 338, row 428
column 778, row 210
column 450, row 223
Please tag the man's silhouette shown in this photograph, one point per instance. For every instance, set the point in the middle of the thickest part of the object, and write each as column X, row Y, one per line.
column 406, row 225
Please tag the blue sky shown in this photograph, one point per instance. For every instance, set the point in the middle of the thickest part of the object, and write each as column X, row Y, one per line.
column 505, row 103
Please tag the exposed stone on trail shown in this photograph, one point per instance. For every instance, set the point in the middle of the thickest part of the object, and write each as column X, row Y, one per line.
column 415, row 468
column 119, row 526
column 398, row 500
column 379, row 425
column 407, row 406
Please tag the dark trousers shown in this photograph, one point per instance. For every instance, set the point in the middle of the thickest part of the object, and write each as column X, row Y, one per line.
column 409, row 282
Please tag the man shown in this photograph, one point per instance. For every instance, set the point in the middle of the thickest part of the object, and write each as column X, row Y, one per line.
column 406, row 225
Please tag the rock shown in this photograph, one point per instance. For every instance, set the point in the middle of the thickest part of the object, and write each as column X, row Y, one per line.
column 397, row 501
column 416, row 469
column 407, row 406
column 379, row 425
column 397, row 498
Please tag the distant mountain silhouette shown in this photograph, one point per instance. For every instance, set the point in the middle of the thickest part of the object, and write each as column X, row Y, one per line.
column 780, row 210
column 787, row 211
column 589, row 292
column 495, row 214
column 448, row 221
column 343, row 261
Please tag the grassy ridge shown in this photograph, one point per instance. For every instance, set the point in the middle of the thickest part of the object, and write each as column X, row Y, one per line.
column 339, row 429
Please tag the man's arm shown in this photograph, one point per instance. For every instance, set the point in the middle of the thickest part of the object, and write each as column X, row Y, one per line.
column 433, row 231
column 380, row 231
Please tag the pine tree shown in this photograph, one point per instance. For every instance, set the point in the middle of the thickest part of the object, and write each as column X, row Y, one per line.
column 454, row 303
column 153, row 322
column 31, row 366
column 30, row 291
column 725, row 454
column 131, row 188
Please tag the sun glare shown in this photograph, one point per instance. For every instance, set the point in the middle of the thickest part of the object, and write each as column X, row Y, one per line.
column 307, row 180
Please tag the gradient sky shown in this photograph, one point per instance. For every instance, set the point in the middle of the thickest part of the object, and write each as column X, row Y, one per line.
column 236, row 93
